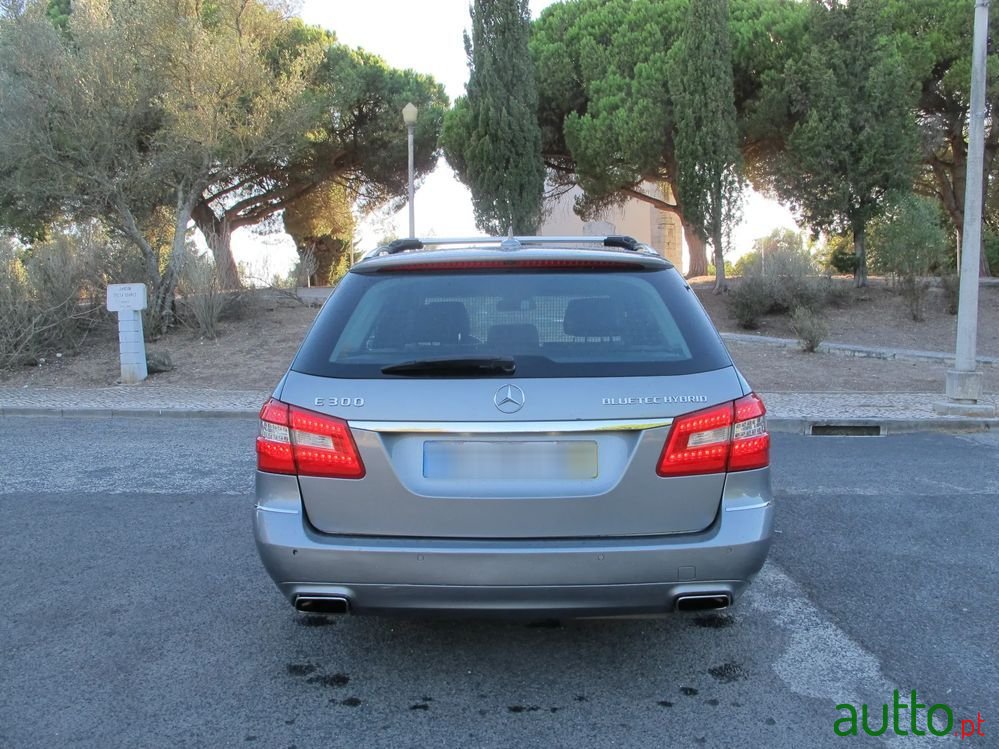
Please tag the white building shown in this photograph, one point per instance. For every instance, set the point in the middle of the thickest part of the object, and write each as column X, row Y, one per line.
column 643, row 221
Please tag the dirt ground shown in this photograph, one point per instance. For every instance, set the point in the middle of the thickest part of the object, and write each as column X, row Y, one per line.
column 256, row 344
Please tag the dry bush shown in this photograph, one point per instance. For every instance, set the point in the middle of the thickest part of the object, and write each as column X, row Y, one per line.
column 787, row 282
column 951, row 285
column 203, row 301
column 914, row 290
column 50, row 295
column 810, row 328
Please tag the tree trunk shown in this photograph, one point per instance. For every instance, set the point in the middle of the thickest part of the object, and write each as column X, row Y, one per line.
column 160, row 315
column 697, row 249
column 218, row 237
column 328, row 254
column 860, row 249
column 720, row 283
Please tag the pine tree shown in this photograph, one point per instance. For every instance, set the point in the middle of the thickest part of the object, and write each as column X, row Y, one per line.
column 709, row 176
column 492, row 137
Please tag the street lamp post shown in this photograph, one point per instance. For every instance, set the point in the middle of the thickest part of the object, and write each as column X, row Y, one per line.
column 964, row 382
column 409, row 113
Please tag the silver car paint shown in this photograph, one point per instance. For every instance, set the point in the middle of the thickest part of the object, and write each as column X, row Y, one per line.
column 579, row 577
column 626, row 498
column 629, row 543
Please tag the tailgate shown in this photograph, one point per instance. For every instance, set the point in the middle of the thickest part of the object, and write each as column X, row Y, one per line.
column 526, row 475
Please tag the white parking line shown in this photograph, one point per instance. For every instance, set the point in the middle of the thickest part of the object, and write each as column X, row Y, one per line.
column 820, row 660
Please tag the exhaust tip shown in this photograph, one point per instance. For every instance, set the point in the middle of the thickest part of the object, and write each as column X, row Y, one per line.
column 704, row 602
column 322, row 605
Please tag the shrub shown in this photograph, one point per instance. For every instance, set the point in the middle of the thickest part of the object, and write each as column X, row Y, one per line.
column 341, row 268
column 749, row 301
column 990, row 246
column 910, row 244
column 840, row 256
column 747, row 263
column 203, row 301
column 729, row 269
column 914, row 290
column 50, row 295
column 809, row 327
column 784, row 283
column 951, row 285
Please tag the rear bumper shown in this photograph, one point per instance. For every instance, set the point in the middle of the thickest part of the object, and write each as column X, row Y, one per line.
column 569, row 577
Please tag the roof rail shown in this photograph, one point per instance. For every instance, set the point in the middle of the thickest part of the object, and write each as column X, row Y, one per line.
column 508, row 243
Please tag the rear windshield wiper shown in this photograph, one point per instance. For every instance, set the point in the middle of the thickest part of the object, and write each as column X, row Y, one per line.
column 466, row 365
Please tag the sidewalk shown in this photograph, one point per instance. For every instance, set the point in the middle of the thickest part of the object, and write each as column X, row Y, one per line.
column 855, row 350
column 800, row 413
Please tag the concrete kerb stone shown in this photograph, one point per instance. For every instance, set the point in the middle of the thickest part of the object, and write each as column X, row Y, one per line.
column 886, row 427
column 852, row 350
column 130, row 413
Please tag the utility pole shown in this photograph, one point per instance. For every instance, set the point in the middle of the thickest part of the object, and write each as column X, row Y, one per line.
column 964, row 382
column 409, row 114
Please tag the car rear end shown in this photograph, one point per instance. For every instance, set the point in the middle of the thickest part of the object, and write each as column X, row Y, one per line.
column 529, row 431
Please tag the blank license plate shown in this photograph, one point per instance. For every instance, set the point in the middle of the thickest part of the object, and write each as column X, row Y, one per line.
column 537, row 461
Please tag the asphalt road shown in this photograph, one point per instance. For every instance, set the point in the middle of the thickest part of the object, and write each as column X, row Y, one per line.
column 134, row 612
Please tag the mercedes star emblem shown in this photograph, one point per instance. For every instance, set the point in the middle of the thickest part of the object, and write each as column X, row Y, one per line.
column 509, row 399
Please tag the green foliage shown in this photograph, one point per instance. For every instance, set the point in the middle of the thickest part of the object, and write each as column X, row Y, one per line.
column 359, row 138
column 224, row 112
column 709, row 174
column 324, row 212
column 58, row 12
column 854, row 139
column 990, row 247
column 810, row 328
column 777, row 244
column 910, row 243
column 839, row 254
column 786, row 283
column 729, row 269
column 493, row 140
column 780, row 242
column 342, row 268
column 203, row 299
column 745, row 263
column 354, row 136
column 749, row 301
column 935, row 39
column 605, row 104
column 951, row 285
column 50, row 293
column 142, row 105
column 910, row 240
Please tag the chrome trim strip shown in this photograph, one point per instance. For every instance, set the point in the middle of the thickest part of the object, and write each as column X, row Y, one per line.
column 509, row 427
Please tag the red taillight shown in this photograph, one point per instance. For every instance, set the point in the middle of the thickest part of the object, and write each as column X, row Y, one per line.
column 750, row 439
column 295, row 441
column 730, row 437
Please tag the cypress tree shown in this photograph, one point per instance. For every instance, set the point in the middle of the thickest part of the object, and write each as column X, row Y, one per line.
column 709, row 175
column 492, row 137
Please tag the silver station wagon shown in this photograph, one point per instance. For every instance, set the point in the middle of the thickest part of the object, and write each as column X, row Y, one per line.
column 513, row 426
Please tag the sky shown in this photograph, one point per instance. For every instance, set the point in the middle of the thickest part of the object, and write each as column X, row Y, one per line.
column 426, row 35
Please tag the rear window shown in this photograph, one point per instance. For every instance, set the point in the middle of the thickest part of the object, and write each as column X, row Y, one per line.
column 554, row 324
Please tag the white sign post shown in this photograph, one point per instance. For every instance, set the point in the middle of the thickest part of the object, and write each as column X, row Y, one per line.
column 128, row 300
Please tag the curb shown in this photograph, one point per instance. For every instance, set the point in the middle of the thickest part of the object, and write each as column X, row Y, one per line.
column 131, row 413
column 776, row 424
column 858, row 352
column 885, row 427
